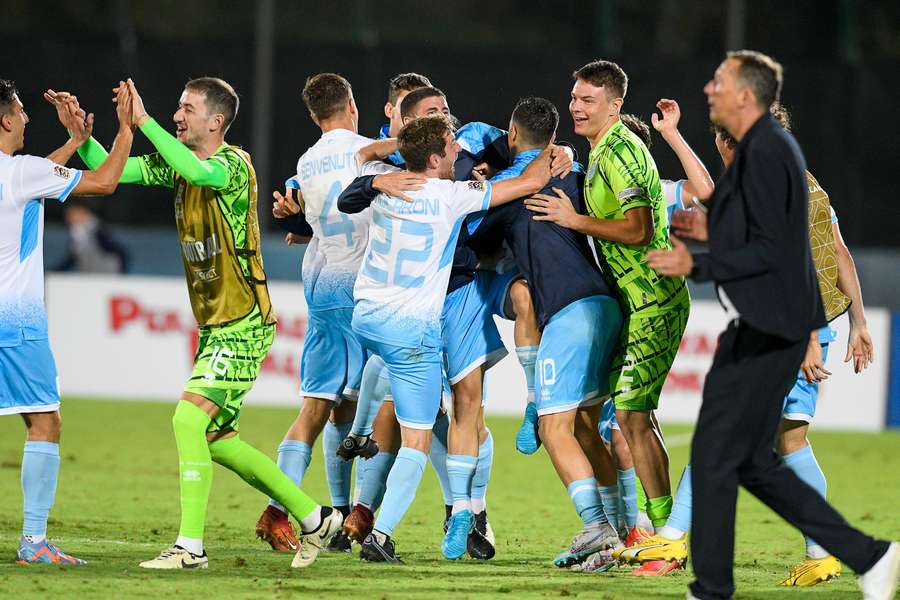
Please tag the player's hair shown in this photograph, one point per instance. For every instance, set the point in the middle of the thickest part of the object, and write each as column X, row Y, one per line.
column 220, row 97
column 779, row 113
column 605, row 74
column 326, row 94
column 412, row 99
column 536, row 119
column 761, row 73
column 638, row 127
column 8, row 93
column 405, row 82
column 420, row 138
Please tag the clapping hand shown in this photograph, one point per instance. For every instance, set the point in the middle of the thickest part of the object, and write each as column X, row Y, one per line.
column 79, row 125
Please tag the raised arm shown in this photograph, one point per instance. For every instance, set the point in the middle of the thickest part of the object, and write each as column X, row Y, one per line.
column 699, row 183
column 105, row 179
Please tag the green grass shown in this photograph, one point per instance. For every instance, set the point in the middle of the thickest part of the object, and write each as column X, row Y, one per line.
column 117, row 504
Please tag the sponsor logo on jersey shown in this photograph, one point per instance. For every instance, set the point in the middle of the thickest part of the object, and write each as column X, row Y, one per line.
column 476, row 185
column 62, row 172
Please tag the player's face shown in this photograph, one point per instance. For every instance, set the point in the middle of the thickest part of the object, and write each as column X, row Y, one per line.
column 18, row 120
column 722, row 92
column 591, row 108
column 193, row 124
column 435, row 105
column 451, row 150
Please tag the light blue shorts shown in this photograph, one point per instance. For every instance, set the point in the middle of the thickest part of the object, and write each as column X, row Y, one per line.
column 28, row 379
column 572, row 368
column 415, row 376
column 333, row 357
column 607, row 421
column 469, row 334
column 800, row 403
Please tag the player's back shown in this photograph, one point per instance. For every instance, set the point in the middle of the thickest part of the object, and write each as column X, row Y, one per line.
column 402, row 283
column 331, row 263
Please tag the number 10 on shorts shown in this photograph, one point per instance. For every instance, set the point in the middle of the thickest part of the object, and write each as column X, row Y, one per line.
column 547, row 371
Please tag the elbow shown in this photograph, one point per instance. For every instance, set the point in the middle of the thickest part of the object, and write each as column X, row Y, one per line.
column 108, row 186
column 705, row 190
column 639, row 237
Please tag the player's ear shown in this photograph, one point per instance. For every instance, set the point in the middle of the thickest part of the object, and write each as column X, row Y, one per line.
column 6, row 121
column 388, row 110
column 616, row 106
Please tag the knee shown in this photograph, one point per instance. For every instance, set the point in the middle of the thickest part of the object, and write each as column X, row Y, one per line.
column 44, row 427
column 633, row 422
column 621, row 450
column 552, row 427
column 520, row 297
column 343, row 412
column 315, row 411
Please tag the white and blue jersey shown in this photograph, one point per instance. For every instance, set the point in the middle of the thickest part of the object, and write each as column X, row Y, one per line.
column 27, row 371
column 402, row 283
column 401, row 287
column 672, row 193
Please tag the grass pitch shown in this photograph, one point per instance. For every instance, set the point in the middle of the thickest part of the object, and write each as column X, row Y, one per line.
column 117, row 504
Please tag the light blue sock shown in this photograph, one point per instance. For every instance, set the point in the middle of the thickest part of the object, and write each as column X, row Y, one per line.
column 40, row 469
column 482, row 473
column 527, row 356
column 402, row 484
column 376, row 470
column 337, row 470
column 803, row 462
column 628, row 497
column 372, row 390
column 461, row 470
column 679, row 521
column 586, row 497
column 609, row 496
column 360, row 478
column 438, row 456
column 293, row 460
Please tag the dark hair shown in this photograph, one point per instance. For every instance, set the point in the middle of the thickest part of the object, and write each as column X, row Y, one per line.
column 405, row 82
column 220, row 97
column 637, row 126
column 325, row 94
column 536, row 119
column 605, row 74
column 412, row 99
column 420, row 138
column 762, row 74
column 779, row 113
column 8, row 92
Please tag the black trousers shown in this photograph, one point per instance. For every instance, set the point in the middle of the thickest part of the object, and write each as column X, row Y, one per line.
column 734, row 444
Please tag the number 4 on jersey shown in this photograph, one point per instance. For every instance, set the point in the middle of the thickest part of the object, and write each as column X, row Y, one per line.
column 343, row 225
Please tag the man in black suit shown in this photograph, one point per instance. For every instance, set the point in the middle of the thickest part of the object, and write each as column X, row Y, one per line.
column 760, row 260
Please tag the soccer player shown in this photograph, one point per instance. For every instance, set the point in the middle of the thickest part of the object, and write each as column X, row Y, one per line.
column 29, row 385
column 215, row 213
column 626, row 216
column 839, row 285
column 333, row 359
column 580, row 321
column 398, row 87
column 400, row 291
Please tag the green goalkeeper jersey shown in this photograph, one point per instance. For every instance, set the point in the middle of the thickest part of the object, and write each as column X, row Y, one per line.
column 622, row 176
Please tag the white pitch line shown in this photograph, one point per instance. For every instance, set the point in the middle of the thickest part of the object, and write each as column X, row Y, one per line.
column 89, row 541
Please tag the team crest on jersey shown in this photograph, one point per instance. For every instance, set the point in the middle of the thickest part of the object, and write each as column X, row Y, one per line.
column 476, row 185
column 62, row 172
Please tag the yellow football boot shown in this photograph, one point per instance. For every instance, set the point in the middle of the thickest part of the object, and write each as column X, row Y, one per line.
column 654, row 548
column 813, row 571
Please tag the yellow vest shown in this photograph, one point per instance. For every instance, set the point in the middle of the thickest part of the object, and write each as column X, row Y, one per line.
column 821, row 240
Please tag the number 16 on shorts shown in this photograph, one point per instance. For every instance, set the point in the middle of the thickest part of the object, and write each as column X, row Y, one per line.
column 218, row 363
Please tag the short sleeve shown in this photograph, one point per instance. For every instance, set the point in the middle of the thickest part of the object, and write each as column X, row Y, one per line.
column 377, row 167
column 672, row 192
column 469, row 196
column 156, row 171
column 42, row 178
column 624, row 167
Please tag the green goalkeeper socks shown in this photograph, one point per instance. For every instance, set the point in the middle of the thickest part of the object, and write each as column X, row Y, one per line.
column 642, row 502
column 659, row 509
column 262, row 473
column 194, row 467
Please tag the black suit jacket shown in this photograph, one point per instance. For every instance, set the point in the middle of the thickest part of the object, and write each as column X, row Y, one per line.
column 759, row 236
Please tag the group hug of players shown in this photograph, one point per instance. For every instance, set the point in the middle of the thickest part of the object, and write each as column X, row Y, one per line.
column 416, row 241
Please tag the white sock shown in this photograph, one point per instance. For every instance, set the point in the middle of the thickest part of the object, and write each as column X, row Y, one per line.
column 381, row 538
column 312, row 521
column 670, row 533
column 816, row 551
column 644, row 522
column 460, row 505
column 478, row 505
column 192, row 545
column 34, row 539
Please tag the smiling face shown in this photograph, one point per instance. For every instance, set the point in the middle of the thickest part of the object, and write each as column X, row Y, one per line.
column 592, row 109
column 193, row 123
column 446, row 163
column 429, row 107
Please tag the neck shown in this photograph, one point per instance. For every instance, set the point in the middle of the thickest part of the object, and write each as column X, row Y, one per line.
column 517, row 150
column 7, row 146
column 208, row 147
column 595, row 139
column 429, row 173
column 343, row 121
column 744, row 121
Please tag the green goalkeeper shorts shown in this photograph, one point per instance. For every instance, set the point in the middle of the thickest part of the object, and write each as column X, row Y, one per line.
column 646, row 352
column 227, row 363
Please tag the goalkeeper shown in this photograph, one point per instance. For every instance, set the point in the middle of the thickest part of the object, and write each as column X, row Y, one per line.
column 215, row 213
